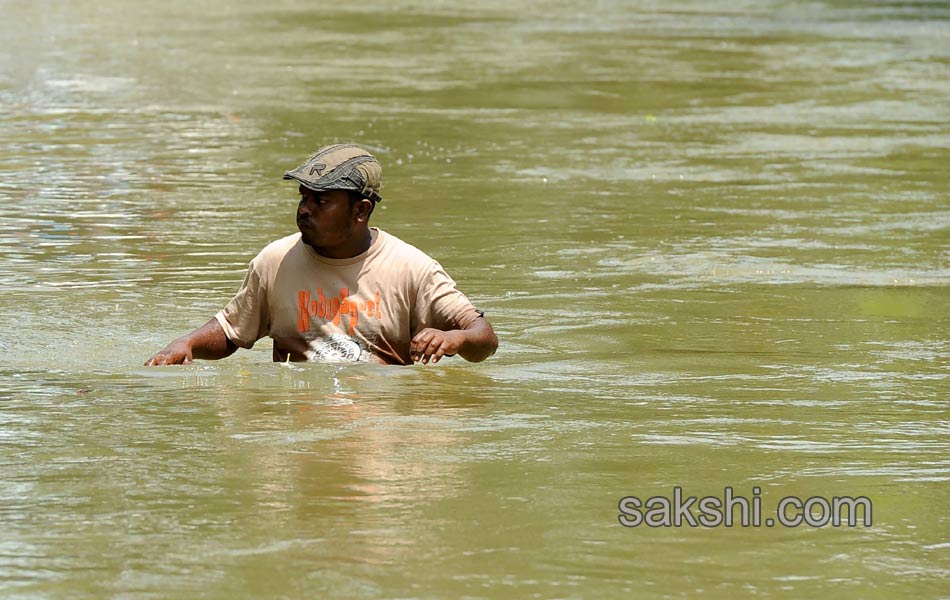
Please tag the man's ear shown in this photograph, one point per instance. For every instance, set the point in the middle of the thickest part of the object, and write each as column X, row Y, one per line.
column 362, row 210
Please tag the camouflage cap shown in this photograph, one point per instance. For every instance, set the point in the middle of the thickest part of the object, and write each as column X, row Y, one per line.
column 341, row 167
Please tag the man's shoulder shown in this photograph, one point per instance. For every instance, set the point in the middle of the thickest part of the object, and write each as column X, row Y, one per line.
column 279, row 248
column 396, row 249
column 275, row 251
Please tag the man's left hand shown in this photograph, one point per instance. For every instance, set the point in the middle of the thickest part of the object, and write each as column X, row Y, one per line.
column 433, row 344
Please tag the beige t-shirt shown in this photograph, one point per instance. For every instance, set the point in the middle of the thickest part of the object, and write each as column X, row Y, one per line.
column 364, row 308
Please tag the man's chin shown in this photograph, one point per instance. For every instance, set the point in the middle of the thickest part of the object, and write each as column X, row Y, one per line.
column 306, row 238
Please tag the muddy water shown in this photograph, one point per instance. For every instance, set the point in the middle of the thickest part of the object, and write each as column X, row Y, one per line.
column 713, row 238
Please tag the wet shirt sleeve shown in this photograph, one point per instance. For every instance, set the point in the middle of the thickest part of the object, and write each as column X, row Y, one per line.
column 246, row 318
column 439, row 304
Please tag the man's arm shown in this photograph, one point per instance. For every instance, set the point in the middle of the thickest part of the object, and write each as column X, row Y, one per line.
column 475, row 343
column 207, row 342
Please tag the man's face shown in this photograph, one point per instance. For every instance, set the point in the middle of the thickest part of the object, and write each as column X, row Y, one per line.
column 325, row 219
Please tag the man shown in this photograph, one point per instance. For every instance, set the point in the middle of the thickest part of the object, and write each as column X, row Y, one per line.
column 340, row 289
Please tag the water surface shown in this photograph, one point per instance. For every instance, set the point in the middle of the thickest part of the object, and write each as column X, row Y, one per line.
column 712, row 237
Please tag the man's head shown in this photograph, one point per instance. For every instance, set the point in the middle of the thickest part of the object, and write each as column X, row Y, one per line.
column 341, row 167
column 339, row 188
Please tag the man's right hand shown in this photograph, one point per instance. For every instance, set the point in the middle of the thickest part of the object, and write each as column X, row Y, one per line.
column 176, row 353
column 206, row 342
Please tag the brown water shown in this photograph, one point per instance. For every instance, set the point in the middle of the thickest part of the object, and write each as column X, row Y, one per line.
column 712, row 236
